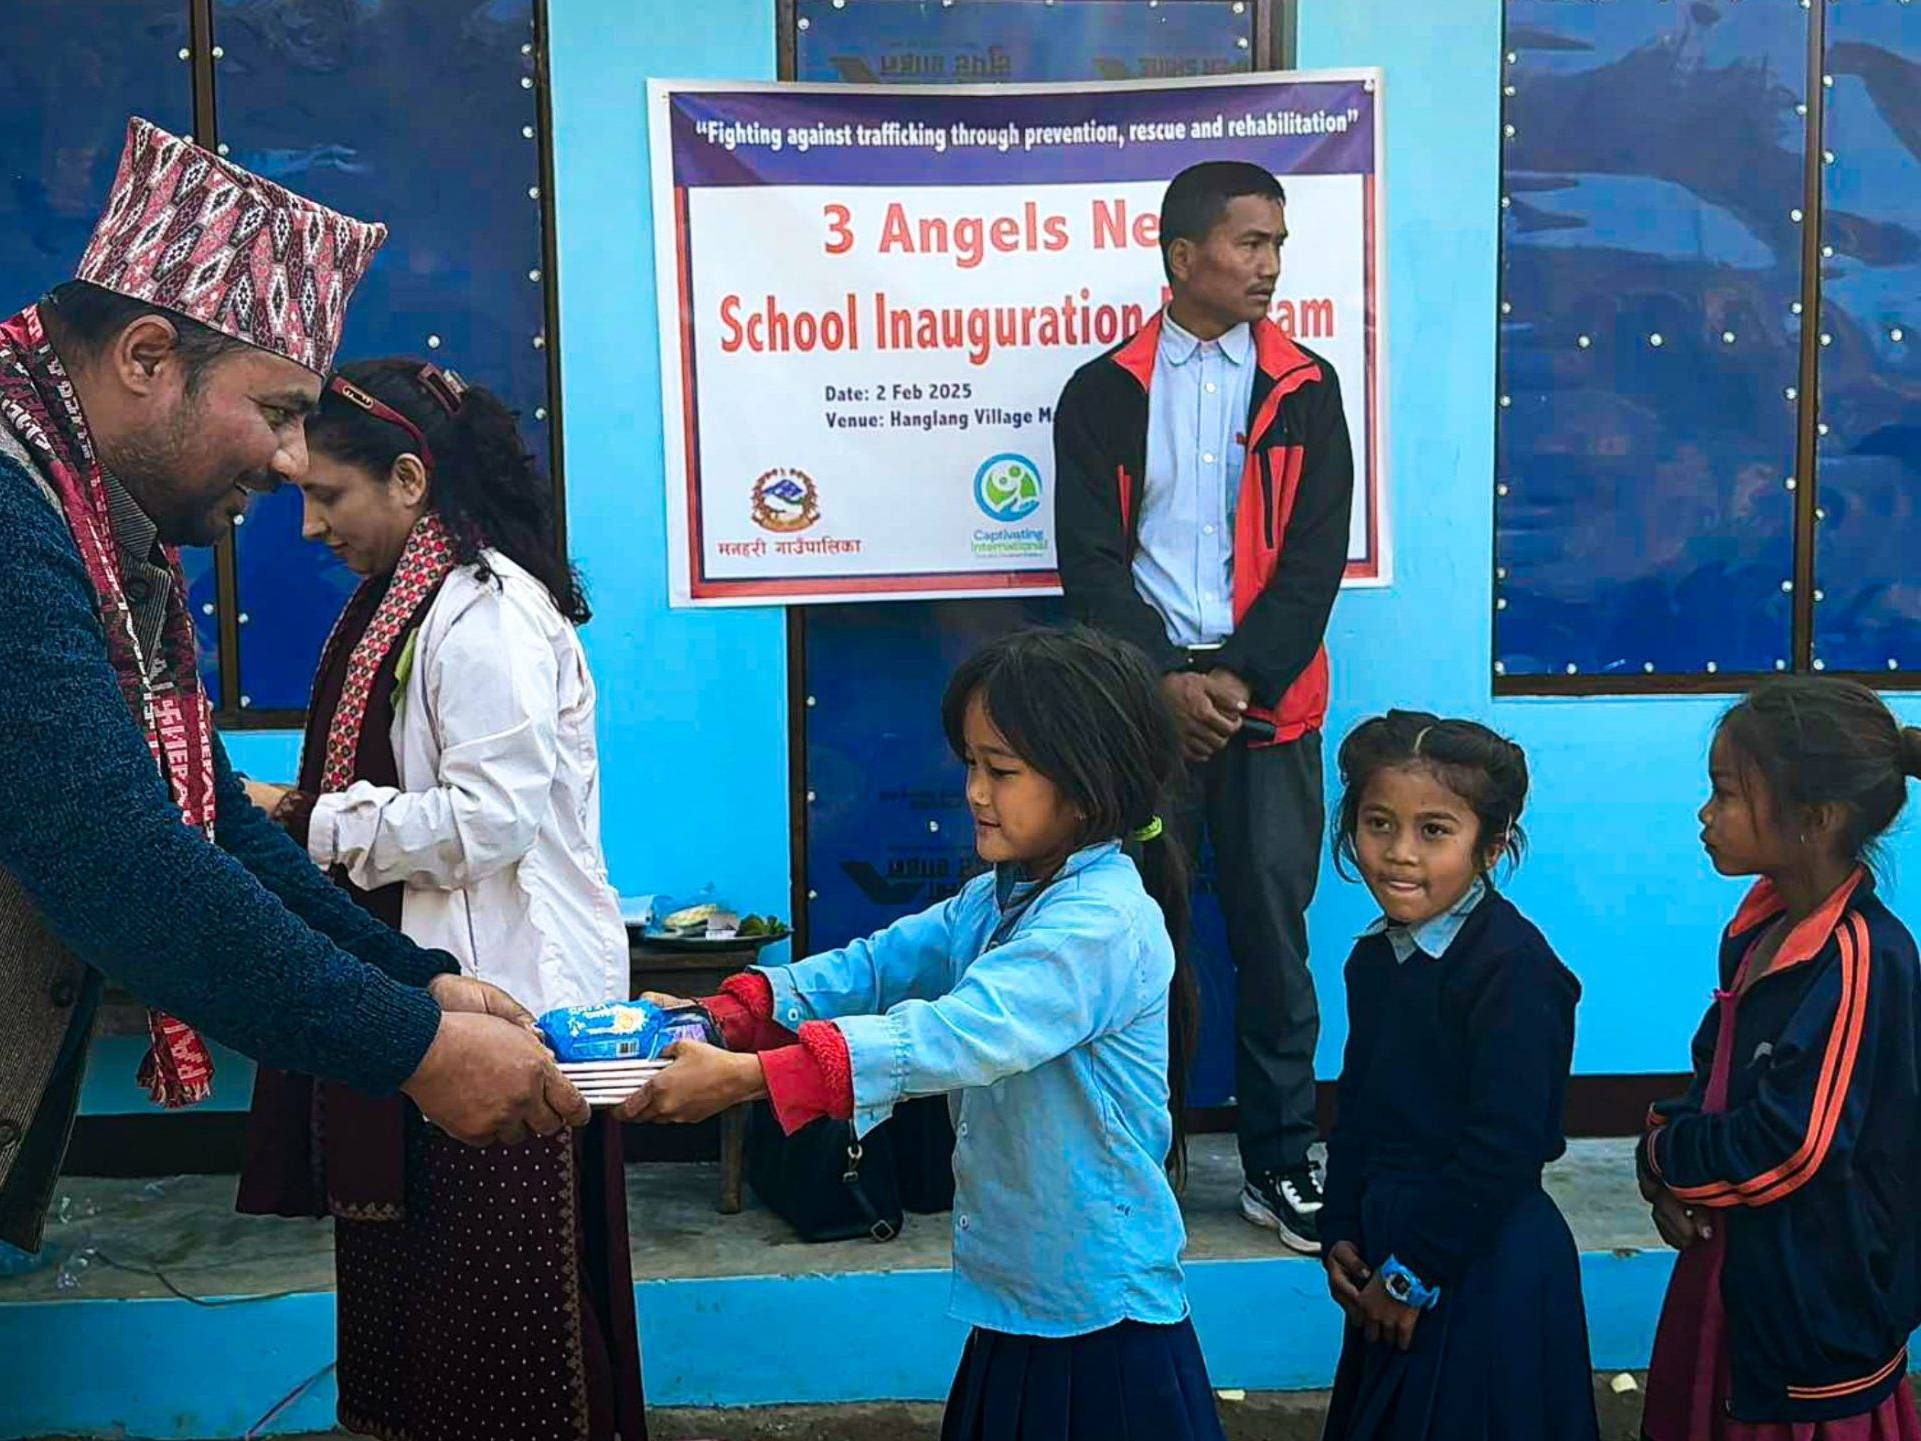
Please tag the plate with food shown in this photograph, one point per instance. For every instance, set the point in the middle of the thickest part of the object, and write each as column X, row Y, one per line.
column 713, row 927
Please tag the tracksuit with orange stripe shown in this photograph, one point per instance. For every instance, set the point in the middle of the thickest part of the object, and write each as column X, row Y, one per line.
column 1802, row 1129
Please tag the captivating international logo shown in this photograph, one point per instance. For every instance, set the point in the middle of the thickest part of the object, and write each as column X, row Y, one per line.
column 785, row 501
column 1008, row 487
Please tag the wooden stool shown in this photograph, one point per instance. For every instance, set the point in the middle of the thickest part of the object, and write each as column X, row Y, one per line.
column 690, row 975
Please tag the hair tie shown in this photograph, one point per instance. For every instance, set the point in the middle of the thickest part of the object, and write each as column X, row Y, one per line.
column 1150, row 831
column 445, row 386
column 1419, row 737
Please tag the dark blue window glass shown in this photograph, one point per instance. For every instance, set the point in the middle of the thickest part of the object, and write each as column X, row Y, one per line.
column 421, row 115
column 1868, row 552
column 1652, row 187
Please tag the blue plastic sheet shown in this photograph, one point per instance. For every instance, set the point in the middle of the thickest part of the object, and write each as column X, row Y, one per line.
column 1652, row 172
column 925, row 42
column 71, row 72
column 421, row 115
column 1868, row 551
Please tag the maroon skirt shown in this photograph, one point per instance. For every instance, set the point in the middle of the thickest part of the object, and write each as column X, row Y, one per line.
column 501, row 1306
column 1688, row 1380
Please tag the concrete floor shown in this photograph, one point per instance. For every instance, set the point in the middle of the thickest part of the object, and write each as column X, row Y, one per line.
column 112, row 1239
column 109, row 1238
column 1262, row 1416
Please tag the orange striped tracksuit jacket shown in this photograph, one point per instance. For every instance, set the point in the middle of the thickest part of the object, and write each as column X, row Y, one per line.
column 1814, row 1165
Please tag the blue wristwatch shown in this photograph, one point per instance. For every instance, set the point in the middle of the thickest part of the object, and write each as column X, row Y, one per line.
column 1404, row 1286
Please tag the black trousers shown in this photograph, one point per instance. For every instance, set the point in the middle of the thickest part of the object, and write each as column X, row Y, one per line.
column 1262, row 809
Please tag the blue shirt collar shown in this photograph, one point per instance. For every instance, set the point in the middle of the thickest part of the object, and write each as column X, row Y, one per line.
column 1179, row 346
column 1011, row 888
column 1433, row 936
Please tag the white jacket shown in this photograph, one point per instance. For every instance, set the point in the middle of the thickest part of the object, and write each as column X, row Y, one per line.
column 495, row 829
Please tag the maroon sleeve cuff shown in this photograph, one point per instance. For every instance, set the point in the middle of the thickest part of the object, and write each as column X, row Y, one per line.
column 744, row 1011
column 812, row 1079
column 736, row 1022
column 753, row 991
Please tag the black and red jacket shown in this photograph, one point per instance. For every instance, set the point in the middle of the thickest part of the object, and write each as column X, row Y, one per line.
column 1290, row 522
column 1814, row 1165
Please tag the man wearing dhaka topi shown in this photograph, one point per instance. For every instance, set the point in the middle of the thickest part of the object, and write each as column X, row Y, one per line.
column 142, row 405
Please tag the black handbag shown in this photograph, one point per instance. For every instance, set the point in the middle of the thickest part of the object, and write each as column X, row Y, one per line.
column 821, row 1181
column 922, row 1136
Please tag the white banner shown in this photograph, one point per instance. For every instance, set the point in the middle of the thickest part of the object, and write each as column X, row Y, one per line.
column 871, row 298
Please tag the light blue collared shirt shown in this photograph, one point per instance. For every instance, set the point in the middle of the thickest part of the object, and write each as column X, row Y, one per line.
column 1434, row 935
column 1056, row 1040
column 1196, row 439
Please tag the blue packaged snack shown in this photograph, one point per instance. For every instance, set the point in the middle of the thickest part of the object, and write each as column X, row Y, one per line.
column 614, row 1031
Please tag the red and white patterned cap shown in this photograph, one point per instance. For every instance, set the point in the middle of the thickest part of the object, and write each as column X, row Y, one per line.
column 197, row 234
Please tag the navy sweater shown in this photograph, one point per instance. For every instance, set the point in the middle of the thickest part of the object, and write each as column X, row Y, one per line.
column 1455, row 1077
column 245, row 939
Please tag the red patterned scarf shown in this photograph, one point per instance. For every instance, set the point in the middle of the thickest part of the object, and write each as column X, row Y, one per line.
column 315, row 1148
column 424, row 563
column 39, row 404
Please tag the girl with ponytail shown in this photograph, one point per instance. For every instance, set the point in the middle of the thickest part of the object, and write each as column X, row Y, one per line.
column 1786, row 1175
column 1048, row 998
column 450, row 784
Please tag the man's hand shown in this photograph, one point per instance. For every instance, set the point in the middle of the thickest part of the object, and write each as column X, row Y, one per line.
column 486, row 1079
column 1204, row 724
column 1680, row 1225
column 1384, row 1318
column 1231, row 694
column 264, row 795
column 1346, row 1275
column 478, row 997
column 703, row 1081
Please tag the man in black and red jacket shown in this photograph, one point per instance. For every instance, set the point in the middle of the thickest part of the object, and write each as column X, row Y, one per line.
column 1204, row 481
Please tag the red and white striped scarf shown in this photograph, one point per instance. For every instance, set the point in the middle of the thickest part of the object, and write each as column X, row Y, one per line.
column 424, row 563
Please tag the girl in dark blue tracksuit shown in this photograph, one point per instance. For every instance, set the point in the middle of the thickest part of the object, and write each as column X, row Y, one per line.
column 1458, row 1275
column 1787, row 1176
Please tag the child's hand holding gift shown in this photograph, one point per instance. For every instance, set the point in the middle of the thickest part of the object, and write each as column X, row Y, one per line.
column 703, row 1081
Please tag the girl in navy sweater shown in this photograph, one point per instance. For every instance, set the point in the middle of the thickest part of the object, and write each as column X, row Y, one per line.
column 1457, row 1274
column 1787, row 1174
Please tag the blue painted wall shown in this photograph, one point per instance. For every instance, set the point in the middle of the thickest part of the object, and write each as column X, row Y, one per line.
column 693, row 704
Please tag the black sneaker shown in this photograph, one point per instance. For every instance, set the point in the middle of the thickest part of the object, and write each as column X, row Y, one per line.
column 1288, row 1202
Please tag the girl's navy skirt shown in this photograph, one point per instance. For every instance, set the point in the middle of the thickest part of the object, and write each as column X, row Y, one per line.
column 1131, row 1382
column 1504, row 1354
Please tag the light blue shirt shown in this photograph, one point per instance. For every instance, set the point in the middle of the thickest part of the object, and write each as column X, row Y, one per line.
column 1056, row 1040
column 1196, row 439
column 1434, row 935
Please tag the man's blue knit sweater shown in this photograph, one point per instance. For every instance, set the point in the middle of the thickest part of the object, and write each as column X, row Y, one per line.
column 244, row 939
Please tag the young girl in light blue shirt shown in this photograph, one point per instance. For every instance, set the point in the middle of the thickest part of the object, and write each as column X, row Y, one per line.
column 1049, row 997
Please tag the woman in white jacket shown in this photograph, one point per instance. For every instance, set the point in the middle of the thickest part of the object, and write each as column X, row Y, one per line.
column 450, row 783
